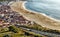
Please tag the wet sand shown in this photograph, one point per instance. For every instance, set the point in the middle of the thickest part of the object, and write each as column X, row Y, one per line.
column 36, row 17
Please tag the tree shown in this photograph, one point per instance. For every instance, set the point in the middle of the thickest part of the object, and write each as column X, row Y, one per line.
column 13, row 29
column 6, row 35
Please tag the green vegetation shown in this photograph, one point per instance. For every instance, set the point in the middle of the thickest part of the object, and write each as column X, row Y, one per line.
column 13, row 31
column 2, row 30
column 6, row 35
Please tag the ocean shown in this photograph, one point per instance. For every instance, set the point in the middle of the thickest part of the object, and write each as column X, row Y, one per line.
column 49, row 7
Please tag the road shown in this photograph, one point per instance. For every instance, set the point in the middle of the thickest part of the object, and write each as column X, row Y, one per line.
column 41, row 32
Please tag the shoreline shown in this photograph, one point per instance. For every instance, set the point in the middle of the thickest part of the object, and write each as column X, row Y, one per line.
column 39, row 12
column 36, row 17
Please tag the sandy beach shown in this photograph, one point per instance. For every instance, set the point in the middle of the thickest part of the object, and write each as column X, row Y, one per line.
column 39, row 18
column 39, row 12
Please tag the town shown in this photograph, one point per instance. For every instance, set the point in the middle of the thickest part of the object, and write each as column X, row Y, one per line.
column 9, row 17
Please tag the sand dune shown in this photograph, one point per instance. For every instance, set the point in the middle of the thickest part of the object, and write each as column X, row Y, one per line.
column 38, row 18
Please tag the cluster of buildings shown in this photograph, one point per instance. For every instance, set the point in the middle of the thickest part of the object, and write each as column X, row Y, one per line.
column 9, row 17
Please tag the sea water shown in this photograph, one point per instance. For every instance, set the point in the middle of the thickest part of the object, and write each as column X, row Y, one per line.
column 49, row 7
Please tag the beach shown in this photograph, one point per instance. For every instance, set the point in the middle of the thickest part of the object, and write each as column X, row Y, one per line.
column 39, row 18
column 39, row 13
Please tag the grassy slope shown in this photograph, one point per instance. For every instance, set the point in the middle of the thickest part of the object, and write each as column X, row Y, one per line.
column 20, row 33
